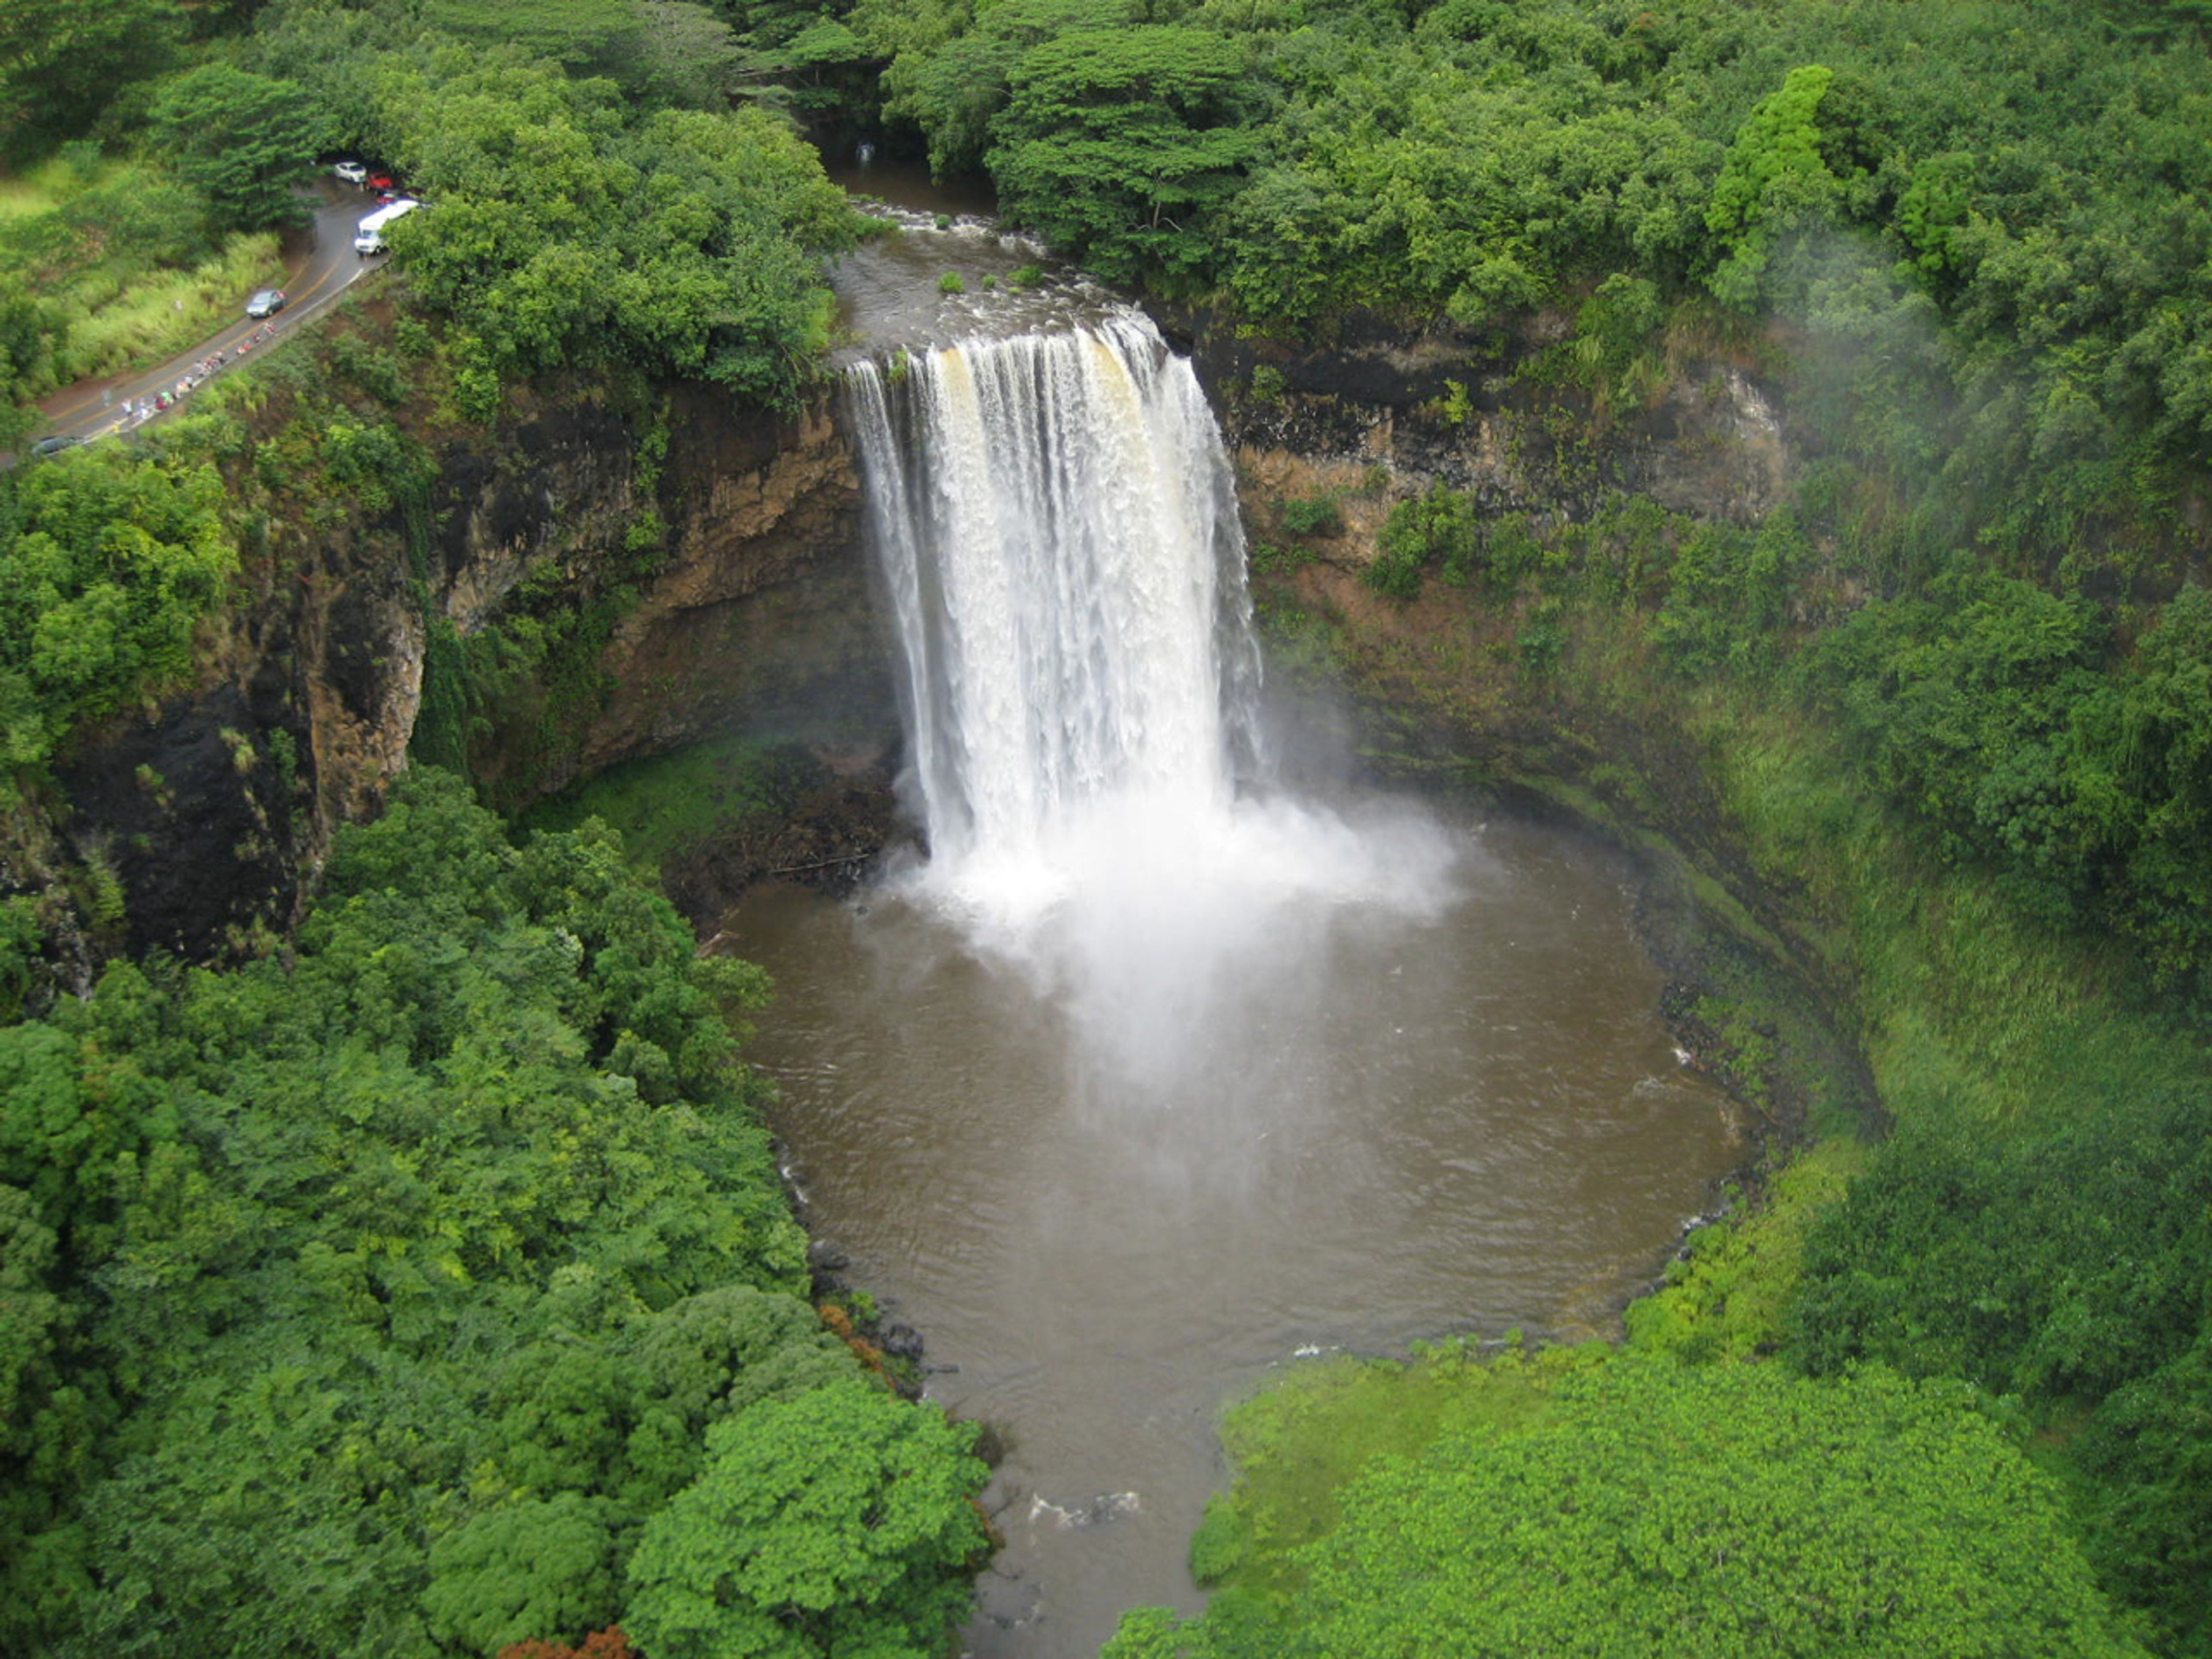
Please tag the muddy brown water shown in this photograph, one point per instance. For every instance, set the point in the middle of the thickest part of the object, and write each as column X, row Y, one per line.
column 1392, row 1128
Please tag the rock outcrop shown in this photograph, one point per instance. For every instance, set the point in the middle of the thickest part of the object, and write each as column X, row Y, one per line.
column 205, row 821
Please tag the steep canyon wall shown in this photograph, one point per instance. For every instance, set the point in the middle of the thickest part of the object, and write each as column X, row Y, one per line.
column 196, row 825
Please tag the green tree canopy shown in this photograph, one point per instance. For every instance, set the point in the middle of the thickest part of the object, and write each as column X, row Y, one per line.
column 62, row 61
column 1120, row 144
column 371, row 1301
column 243, row 139
column 685, row 241
column 112, row 563
column 838, row 1521
column 1775, row 173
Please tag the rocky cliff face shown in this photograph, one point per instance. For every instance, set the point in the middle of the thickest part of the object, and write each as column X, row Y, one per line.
column 1456, row 410
column 194, row 825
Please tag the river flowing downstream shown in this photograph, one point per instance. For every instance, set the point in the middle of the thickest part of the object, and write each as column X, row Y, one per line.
column 1154, row 1076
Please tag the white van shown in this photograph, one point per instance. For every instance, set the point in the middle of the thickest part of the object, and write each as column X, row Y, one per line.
column 369, row 238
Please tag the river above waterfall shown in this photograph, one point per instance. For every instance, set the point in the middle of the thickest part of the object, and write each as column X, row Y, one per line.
column 1394, row 1127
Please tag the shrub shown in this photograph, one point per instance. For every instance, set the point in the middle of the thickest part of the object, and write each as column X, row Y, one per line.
column 1312, row 515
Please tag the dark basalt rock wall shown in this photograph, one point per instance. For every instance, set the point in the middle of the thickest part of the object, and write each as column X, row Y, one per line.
column 196, row 825
column 1454, row 406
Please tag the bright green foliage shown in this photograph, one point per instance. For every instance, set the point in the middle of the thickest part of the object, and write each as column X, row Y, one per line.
column 1630, row 1505
column 1729, row 1294
column 372, row 1301
column 684, row 242
column 112, row 563
column 1728, row 593
column 1931, row 215
column 1612, row 352
column 1297, row 1445
column 242, row 139
column 112, row 264
column 1455, row 196
column 510, row 1574
column 1440, row 528
column 1774, row 174
column 952, row 83
column 1728, row 1509
column 1121, row 145
column 840, row 1522
column 1150, row 1633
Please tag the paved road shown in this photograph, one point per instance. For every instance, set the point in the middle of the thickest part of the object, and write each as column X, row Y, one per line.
column 323, row 267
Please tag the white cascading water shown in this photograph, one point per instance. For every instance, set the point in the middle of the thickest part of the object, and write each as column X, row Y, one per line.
column 1057, row 527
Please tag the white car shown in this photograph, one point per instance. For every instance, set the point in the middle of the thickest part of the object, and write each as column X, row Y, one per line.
column 354, row 173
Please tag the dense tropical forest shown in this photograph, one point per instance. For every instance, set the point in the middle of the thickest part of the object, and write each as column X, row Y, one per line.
column 416, row 1279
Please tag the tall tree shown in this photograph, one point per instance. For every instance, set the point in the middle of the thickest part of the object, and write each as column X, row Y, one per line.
column 1119, row 145
column 842, row 1521
column 244, row 139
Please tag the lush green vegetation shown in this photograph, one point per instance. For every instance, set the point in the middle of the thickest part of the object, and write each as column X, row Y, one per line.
column 427, row 1289
column 2063, row 1266
column 104, row 264
column 432, row 1289
column 1634, row 1506
column 106, row 565
column 599, row 198
column 1996, row 205
column 1946, row 701
column 662, row 805
column 1951, row 789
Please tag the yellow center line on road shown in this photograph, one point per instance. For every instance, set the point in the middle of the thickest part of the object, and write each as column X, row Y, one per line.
column 223, row 340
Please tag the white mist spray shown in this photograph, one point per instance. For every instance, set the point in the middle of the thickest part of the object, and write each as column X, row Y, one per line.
column 1058, row 531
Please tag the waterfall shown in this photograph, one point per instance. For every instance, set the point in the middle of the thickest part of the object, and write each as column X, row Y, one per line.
column 1054, row 518
column 1056, row 523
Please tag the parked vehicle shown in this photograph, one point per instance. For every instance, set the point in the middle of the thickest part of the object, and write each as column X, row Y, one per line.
column 354, row 173
column 369, row 238
column 55, row 444
column 265, row 303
